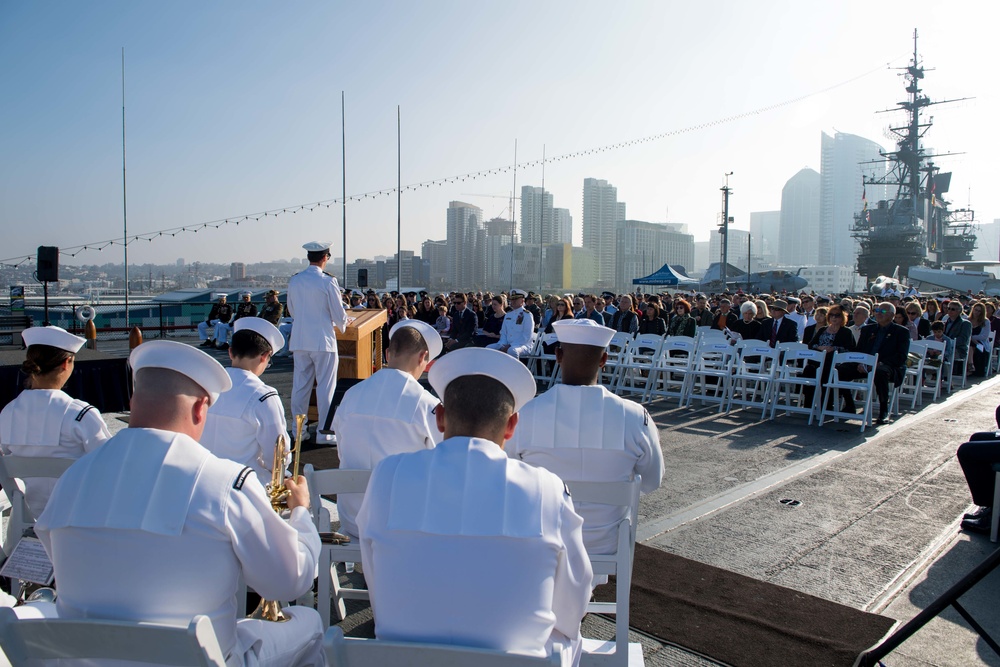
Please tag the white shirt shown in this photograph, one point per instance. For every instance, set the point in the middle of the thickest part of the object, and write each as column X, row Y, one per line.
column 245, row 422
column 587, row 434
column 389, row 413
column 800, row 323
column 315, row 304
column 517, row 328
column 502, row 536
column 153, row 527
column 49, row 423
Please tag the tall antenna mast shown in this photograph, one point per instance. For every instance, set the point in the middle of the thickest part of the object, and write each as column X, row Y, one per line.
column 343, row 172
column 512, row 223
column 124, row 198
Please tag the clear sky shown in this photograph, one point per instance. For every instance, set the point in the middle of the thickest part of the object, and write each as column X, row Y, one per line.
column 234, row 108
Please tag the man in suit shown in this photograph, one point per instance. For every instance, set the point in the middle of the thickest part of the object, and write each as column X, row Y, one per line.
column 778, row 328
column 959, row 330
column 463, row 324
column 890, row 342
column 724, row 317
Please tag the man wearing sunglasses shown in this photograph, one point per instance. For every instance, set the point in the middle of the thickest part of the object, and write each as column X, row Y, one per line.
column 959, row 330
column 889, row 342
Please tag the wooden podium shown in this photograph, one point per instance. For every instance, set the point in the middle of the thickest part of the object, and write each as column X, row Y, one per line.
column 360, row 346
column 359, row 349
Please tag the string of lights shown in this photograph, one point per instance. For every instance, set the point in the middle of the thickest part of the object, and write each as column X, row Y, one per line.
column 73, row 251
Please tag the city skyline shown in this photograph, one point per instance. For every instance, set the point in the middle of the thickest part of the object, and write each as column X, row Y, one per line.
column 234, row 109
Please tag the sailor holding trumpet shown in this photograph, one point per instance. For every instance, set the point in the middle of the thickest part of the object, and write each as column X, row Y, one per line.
column 154, row 527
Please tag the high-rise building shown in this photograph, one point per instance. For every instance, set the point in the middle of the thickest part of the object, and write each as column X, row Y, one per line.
column 435, row 253
column 465, row 246
column 765, row 236
column 988, row 242
column 499, row 239
column 845, row 159
column 737, row 251
column 562, row 226
column 800, row 219
column 643, row 247
column 237, row 271
column 536, row 215
column 601, row 214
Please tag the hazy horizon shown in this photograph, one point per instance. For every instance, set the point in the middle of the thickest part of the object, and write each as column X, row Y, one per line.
column 234, row 109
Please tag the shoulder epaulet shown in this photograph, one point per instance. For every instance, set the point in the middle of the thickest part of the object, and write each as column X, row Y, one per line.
column 242, row 477
column 566, row 489
column 645, row 417
column 81, row 413
column 267, row 396
column 328, row 274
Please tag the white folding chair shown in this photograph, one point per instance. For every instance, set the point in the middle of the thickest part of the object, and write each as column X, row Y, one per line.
column 964, row 366
column 710, row 335
column 789, row 383
column 543, row 366
column 933, row 372
column 753, row 379
column 30, row 641
column 344, row 651
column 911, row 388
column 669, row 375
column 784, row 348
column 323, row 483
column 619, row 564
column 14, row 469
column 633, row 376
column 994, row 354
column 710, row 378
column 617, row 349
column 865, row 386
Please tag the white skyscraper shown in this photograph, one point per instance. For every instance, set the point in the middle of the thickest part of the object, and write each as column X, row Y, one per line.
column 562, row 226
column 800, row 219
column 536, row 215
column 465, row 240
column 765, row 236
column 845, row 159
column 601, row 213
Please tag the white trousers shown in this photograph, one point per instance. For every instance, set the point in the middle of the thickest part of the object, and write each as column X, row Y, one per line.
column 203, row 329
column 515, row 352
column 318, row 366
column 222, row 332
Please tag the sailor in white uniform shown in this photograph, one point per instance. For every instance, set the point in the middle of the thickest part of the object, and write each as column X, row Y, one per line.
column 389, row 413
column 517, row 329
column 44, row 420
column 583, row 433
column 154, row 527
column 462, row 545
column 244, row 424
column 314, row 301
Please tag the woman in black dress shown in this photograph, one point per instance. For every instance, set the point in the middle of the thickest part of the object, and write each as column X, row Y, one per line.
column 652, row 323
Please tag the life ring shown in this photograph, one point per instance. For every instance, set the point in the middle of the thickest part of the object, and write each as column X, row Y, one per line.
column 85, row 313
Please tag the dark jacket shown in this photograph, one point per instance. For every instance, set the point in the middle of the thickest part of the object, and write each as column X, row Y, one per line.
column 731, row 319
column 463, row 326
column 843, row 339
column 220, row 311
column 787, row 330
column 892, row 352
column 682, row 325
column 652, row 326
column 626, row 321
column 748, row 330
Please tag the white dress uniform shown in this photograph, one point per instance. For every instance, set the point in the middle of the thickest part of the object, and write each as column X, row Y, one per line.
column 516, row 331
column 50, row 423
column 503, row 535
column 800, row 324
column 153, row 527
column 389, row 413
column 244, row 423
column 314, row 301
column 588, row 434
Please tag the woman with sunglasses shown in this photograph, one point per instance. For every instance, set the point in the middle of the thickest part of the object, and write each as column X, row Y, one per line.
column 980, row 342
column 682, row 323
column 914, row 316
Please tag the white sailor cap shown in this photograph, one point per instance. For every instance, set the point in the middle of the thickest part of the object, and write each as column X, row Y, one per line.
column 429, row 334
column 53, row 337
column 264, row 328
column 248, row 293
column 186, row 360
column 503, row 368
column 220, row 295
column 317, row 246
column 518, row 292
column 583, row 332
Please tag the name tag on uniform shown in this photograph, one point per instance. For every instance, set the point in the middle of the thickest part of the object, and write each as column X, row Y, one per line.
column 29, row 562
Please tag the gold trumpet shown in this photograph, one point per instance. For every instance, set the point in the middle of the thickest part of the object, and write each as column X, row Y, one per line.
column 270, row 610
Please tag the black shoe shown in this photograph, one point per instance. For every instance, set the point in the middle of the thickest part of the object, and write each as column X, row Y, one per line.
column 224, row 346
column 978, row 513
column 881, row 420
column 850, row 408
column 207, row 343
column 981, row 524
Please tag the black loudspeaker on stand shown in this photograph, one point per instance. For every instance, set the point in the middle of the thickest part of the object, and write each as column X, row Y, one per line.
column 48, row 271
